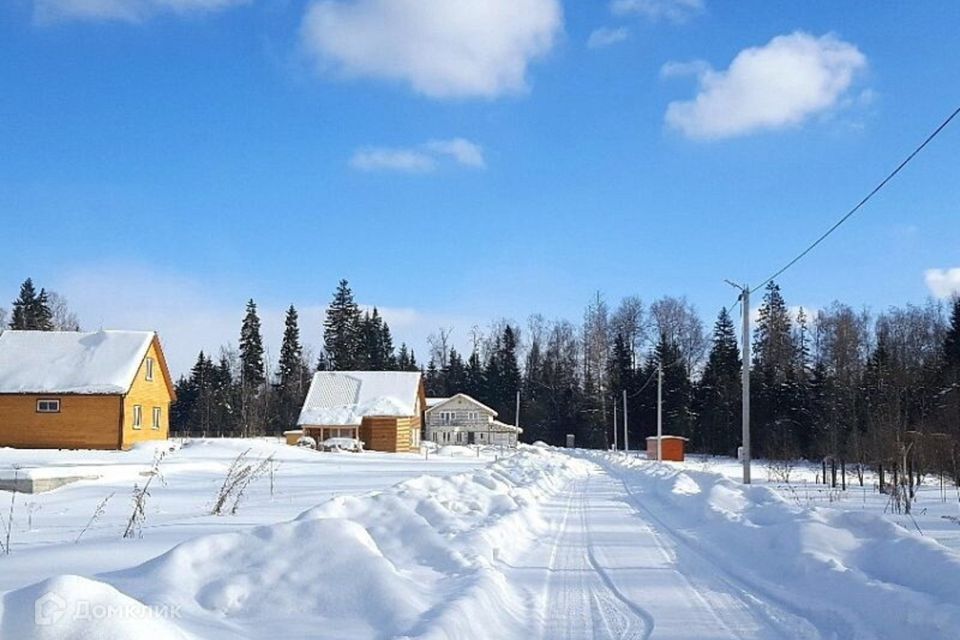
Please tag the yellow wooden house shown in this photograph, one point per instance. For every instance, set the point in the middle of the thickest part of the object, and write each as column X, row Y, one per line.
column 72, row 390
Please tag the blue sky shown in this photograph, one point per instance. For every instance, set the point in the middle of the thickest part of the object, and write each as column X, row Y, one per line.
column 164, row 160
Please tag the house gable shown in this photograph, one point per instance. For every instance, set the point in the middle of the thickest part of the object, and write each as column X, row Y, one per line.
column 153, row 394
column 461, row 402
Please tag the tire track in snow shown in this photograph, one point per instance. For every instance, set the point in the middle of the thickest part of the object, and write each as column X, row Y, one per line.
column 837, row 626
column 578, row 589
column 647, row 618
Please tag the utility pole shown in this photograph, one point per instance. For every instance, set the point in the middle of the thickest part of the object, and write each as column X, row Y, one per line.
column 660, row 411
column 745, row 384
column 516, row 419
column 615, row 447
column 745, row 378
column 626, row 432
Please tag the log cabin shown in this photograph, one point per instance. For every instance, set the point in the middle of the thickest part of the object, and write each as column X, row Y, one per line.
column 383, row 409
column 73, row 390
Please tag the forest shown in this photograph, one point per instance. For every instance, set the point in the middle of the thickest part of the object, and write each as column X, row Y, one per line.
column 867, row 389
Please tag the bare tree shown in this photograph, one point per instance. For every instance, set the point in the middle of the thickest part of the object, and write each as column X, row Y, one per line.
column 677, row 319
column 62, row 318
column 440, row 346
column 630, row 321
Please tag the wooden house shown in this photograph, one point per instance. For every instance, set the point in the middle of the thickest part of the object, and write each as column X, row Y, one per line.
column 72, row 390
column 383, row 409
column 460, row 419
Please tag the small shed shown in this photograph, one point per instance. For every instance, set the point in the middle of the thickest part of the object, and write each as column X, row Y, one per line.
column 293, row 436
column 672, row 448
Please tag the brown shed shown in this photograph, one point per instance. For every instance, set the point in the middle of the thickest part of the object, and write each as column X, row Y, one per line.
column 383, row 409
column 672, row 449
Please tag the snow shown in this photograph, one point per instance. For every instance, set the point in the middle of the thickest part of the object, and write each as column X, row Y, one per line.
column 542, row 543
column 59, row 362
column 344, row 398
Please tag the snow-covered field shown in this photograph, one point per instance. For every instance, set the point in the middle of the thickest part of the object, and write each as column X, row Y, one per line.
column 544, row 543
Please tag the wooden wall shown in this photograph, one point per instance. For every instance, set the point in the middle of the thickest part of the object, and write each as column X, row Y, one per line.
column 84, row 422
column 147, row 394
column 671, row 450
column 388, row 433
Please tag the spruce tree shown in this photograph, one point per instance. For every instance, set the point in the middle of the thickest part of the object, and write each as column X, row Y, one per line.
column 342, row 330
column 773, row 378
column 31, row 311
column 291, row 377
column 718, row 397
column 252, row 373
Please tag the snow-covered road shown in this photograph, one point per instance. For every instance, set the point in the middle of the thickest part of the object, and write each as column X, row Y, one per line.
column 611, row 570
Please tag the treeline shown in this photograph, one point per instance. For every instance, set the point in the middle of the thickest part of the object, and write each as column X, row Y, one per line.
column 240, row 394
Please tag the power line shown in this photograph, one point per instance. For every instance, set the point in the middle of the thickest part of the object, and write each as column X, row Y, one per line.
column 860, row 204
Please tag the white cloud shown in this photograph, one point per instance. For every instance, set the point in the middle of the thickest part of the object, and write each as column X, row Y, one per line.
column 674, row 10
column 462, row 151
column 678, row 69
column 782, row 83
column 943, row 283
column 122, row 10
column 383, row 159
column 421, row 159
column 443, row 49
column 605, row 36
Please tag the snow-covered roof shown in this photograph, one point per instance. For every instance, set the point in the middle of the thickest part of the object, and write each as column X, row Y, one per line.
column 104, row 362
column 344, row 398
column 438, row 402
column 503, row 426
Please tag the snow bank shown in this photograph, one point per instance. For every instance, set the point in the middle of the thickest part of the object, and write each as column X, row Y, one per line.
column 852, row 574
column 414, row 560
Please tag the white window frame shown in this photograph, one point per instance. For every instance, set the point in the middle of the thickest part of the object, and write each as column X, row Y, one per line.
column 137, row 416
column 149, row 368
column 48, row 405
column 156, row 418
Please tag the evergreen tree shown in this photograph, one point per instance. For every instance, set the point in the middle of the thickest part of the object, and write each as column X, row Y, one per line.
column 252, row 373
column 31, row 311
column 342, row 335
column 503, row 374
column 677, row 389
column 406, row 360
column 718, row 394
column 456, row 374
column 291, row 375
column 773, row 378
column 474, row 379
column 375, row 352
column 433, row 382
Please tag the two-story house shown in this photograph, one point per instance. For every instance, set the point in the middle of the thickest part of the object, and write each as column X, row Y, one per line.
column 461, row 419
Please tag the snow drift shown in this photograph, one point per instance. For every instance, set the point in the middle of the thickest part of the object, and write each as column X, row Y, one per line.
column 415, row 560
column 851, row 574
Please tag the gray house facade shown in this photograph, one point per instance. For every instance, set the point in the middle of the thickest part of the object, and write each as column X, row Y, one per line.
column 462, row 420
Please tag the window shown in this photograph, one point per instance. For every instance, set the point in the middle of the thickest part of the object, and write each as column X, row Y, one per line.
column 48, row 406
column 149, row 369
column 156, row 417
column 137, row 416
column 446, row 417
